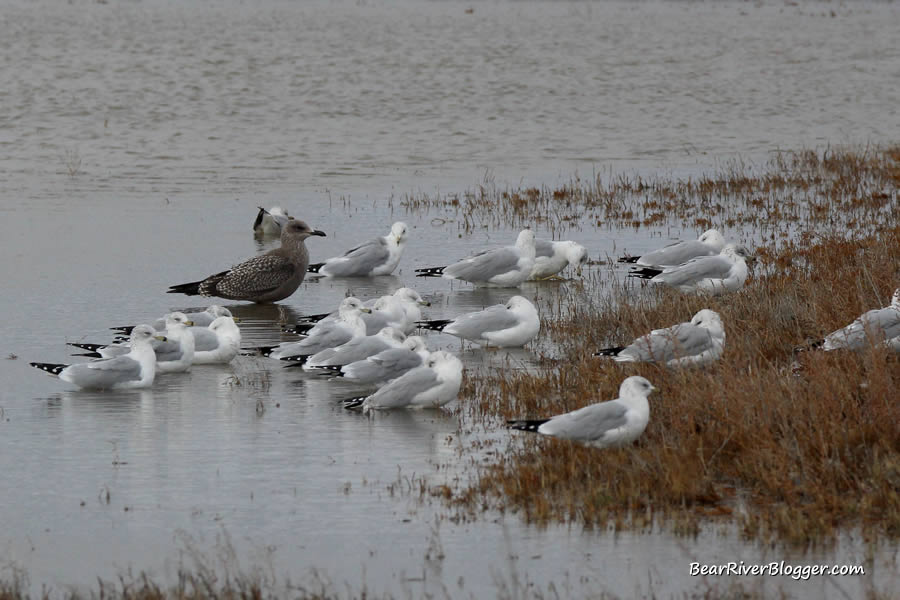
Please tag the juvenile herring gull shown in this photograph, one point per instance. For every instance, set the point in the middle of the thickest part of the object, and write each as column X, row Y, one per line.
column 270, row 222
column 269, row 277
column 699, row 342
column 379, row 256
column 552, row 257
column 503, row 325
column 432, row 385
column 136, row 369
column 724, row 272
column 508, row 266
column 709, row 243
column 880, row 326
column 612, row 423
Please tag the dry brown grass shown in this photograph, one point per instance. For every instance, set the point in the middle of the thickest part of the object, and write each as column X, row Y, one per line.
column 788, row 446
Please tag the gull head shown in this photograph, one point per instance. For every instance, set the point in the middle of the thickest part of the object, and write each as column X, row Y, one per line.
column 296, row 229
column 142, row 334
column 734, row 251
column 218, row 311
column 575, row 253
column 411, row 295
column 351, row 306
column 225, row 327
column 708, row 319
column 521, row 305
column 895, row 299
column 445, row 364
column 399, row 231
column 178, row 320
column 713, row 239
column 525, row 239
column 635, row 386
column 416, row 344
column 391, row 333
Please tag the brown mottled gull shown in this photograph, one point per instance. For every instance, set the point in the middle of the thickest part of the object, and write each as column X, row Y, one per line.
column 269, row 277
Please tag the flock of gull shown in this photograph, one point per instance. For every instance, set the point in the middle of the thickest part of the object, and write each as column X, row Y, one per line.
column 372, row 343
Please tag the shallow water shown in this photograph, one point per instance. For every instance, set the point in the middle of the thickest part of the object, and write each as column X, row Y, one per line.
column 137, row 140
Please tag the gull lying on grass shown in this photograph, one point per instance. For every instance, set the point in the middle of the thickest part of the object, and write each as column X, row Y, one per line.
column 174, row 355
column 502, row 267
column 200, row 319
column 877, row 326
column 386, row 365
column 327, row 334
column 612, row 423
column 136, row 369
column 709, row 243
column 432, row 385
column 724, row 272
column 269, row 277
column 375, row 257
column 503, row 325
column 699, row 342
column 359, row 348
column 269, row 222
column 552, row 257
column 400, row 310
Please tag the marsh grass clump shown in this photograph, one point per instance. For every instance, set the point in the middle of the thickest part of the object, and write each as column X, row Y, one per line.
column 789, row 445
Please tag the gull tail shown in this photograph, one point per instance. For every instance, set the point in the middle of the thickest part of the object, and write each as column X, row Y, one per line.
column 314, row 268
column 645, row 273
column 188, row 289
column 88, row 347
column 126, row 329
column 614, row 351
column 313, row 318
column 298, row 328
column 430, row 272
column 52, row 368
column 204, row 287
column 526, row 424
column 629, row 259
column 353, row 403
column 434, row 324
column 296, row 361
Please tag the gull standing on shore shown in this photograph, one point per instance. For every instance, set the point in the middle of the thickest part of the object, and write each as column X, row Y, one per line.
column 698, row 342
column 269, row 277
column 612, row 423
column 508, row 266
column 379, row 256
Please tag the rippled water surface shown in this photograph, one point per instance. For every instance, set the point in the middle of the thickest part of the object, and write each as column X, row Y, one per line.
column 136, row 140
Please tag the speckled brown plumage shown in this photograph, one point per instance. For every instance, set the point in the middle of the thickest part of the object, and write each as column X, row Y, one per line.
column 269, row 277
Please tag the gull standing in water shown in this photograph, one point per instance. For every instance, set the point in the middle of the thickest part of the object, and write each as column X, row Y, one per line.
column 508, row 266
column 375, row 257
column 503, row 325
column 174, row 355
column 432, row 385
column 699, row 342
column 269, row 277
column 136, row 369
column 612, row 423
column 552, row 257
column 724, row 272
column 269, row 222
column 709, row 243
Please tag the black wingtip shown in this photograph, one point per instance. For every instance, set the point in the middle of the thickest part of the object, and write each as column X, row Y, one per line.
column 52, row 368
column 629, row 259
column 297, row 361
column 89, row 355
column 259, row 218
column 526, row 424
column 614, row 351
column 297, row 328
column 315, row 318
column 645, row 273
column 88, row 347
column 430, row 272
column 353, row 403
column 314, row 268
column 434, row 324
column 126, row 329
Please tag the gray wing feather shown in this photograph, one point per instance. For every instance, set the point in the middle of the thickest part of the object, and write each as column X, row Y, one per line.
column 587, row 424
column 401, row 391
column 696, row 269
column 384, row 365
column 676, row 254
column 104, row 373
column 482, row 267
column 359, row 261
column 327, row 335
column 543, row 248
column 205, row 339
column 352, row 351
column 881, row 321
column 662, row 345
column 170, row 350
column 474, row 325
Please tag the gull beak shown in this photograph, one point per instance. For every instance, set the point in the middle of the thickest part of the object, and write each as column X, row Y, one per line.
column 318, row 232
column 365, row 310
column 236, row 319
column 189, row 323
column 161, row 338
